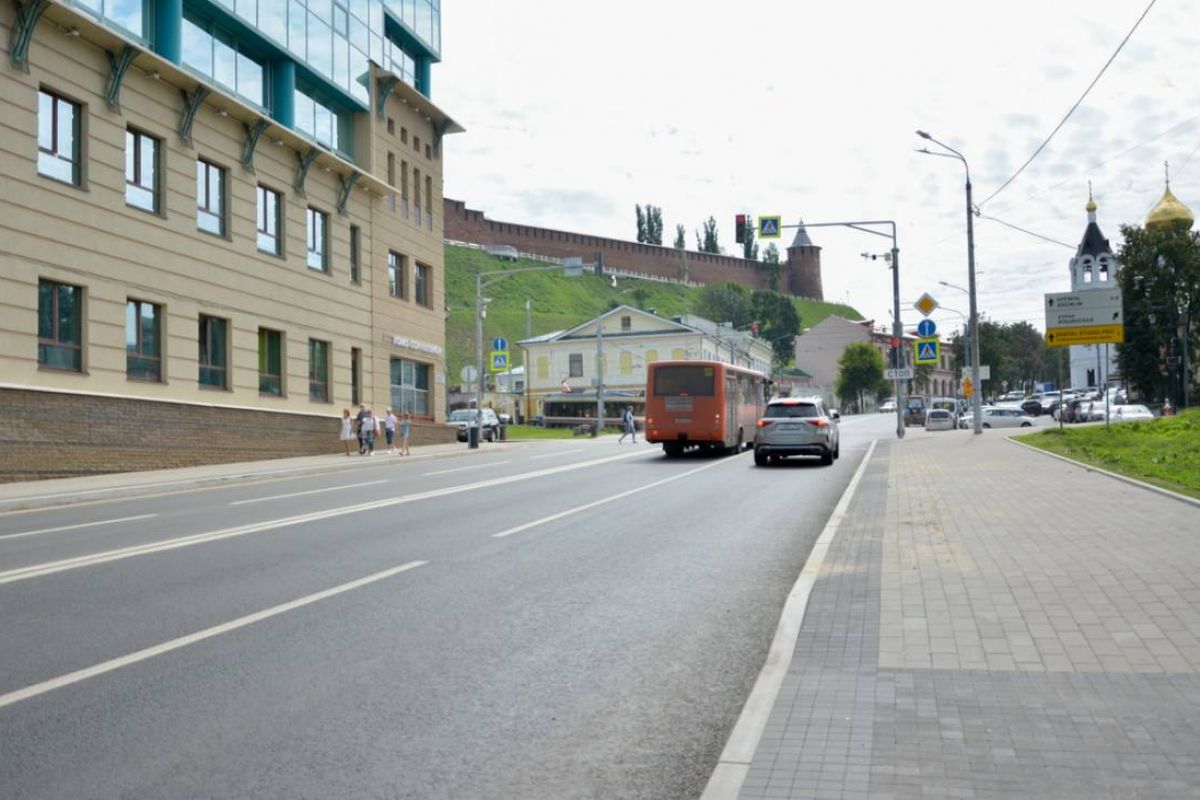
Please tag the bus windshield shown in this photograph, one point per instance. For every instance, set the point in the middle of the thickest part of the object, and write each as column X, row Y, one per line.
column 691, row 381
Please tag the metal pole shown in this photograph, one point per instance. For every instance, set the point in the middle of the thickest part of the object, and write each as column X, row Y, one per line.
column 599, row 374
column 897, row 335
column 474, row 442
column 1105, row 386
column 1187, row 369
column 978, row 396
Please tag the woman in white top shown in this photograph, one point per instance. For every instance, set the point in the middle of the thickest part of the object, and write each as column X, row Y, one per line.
column 389, row 426
column 347, row 434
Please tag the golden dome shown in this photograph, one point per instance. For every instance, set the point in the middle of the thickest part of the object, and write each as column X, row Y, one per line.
column 1091, row 206
column 1169, row 211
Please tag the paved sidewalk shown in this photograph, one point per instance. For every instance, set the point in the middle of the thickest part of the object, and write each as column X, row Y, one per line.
column 991, row 622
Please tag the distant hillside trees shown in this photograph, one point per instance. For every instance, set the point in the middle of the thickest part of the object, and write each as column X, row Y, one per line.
column 774, row 313
column 708, row 243
column 649, row 224
column 772, row 266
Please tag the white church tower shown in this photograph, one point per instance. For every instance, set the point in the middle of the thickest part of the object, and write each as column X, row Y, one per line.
column 1094, row 267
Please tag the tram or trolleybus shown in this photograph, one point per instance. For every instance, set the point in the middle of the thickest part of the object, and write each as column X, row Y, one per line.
column 707, row 405
column 571, row 409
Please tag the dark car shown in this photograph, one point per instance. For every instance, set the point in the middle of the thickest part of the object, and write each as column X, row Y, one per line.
column 1032, row 406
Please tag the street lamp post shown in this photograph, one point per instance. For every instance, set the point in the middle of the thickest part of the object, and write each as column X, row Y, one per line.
column 482, row 280
column 977, row 403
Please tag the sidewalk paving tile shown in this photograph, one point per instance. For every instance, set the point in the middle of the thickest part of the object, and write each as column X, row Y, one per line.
column 993, row 623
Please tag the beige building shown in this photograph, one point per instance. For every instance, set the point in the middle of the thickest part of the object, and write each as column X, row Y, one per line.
column 820, row 347
column 203, row 253
column 563, row 365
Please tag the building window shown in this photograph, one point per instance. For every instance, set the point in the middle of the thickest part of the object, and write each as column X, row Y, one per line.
column 318, row 239
column 210, row 200
column 396, row 287
column 143, row 340
column 214, row 350
column 651, row 356
column 141, row 170
column 58, row 138
column 677, row 354
column 60, row 326
column 355, row 376
column 428, row 153
column 404, row 188
column 576, row 365
column 217, row 55
column 417, row 143
column 270, row 362
column 417, row 194
column 626, row 324
column 269, row 203
column 429, row 201
column 410, row 387
column 403, row 135
column 318, row 370
column 355, row 254
column 391, row 126
column 391, row 169
column 320, row 121
column 128, row 14
column 423, row 284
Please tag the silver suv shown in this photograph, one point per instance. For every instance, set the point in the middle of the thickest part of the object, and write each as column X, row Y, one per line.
column 796, row 426
column 464, row 418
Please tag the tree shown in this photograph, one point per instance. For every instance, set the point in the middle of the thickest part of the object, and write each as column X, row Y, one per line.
column 860, row 371
column 725, row 302
column 772, row 266
column 709, row 243
column 749, row 246
column 680, row 237
column 778, row 322
column 654, row 224
column 1160, row 289
column 641, row 224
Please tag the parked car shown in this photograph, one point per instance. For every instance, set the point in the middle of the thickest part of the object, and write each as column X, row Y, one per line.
column 1006, row 418
column 888, row 406
column 1011, row 397
column 1032, row 406
column 1130, row 413
column 946, row 404
column 939, row 419
column 914, row 410
column 464, row 418
column 796, row 426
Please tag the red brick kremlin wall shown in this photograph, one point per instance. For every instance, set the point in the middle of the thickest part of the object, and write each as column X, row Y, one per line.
column 466, row 225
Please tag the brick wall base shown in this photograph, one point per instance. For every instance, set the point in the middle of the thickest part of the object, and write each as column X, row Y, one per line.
column 58, row 435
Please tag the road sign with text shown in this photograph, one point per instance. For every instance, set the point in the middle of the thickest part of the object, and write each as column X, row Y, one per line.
column 1090, row 317
column 900, row 374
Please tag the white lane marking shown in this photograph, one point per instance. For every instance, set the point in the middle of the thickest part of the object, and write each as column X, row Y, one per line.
column 198, row 636
column 610, row 499
column 463, row 469
column 310, row 491
column 51, row 567
column 76, row 526
column 726, row 780
column 560, row 453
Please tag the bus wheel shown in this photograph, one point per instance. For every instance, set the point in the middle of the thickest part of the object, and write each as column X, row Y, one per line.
column 673, row 449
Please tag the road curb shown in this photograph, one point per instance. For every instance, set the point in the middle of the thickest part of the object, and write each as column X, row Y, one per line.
column 1123, row 478
column 730, row 773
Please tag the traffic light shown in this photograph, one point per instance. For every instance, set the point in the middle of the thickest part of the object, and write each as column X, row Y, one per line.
column 740, row 235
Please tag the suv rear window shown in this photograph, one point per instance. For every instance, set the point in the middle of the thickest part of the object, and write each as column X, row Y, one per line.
column 782, row 410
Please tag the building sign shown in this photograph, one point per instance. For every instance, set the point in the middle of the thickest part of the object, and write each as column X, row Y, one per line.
column 409, row 343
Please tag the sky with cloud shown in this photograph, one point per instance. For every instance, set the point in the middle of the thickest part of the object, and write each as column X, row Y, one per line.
column 576, row 111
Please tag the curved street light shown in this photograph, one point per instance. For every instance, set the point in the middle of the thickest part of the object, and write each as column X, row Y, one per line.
column 974, row 321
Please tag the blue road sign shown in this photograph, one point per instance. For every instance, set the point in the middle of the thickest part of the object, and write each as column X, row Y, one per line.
column 499, row 343
column 499, row 361
column 769, row 227
column 926, row 328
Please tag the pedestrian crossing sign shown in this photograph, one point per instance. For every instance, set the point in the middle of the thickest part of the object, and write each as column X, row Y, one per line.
column 927, row 351
column 769, row 227
column 499, row 361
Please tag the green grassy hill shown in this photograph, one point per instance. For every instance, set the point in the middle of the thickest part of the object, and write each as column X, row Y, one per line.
column 558, row 302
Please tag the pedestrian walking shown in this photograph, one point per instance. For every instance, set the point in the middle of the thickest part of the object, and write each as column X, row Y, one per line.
column 405, row 432
column 630, row 425
column 347, row 434
column 389, row 429
column 358, row 426
column 366, row 432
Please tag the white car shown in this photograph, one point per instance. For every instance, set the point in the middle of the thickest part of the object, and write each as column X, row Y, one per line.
column 1130, row 413
column 888, row 406
column 939, row 419
column 1006, row 418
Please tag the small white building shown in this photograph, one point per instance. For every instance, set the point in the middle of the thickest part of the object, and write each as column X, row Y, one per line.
column 565, row 362
column 1093, row 268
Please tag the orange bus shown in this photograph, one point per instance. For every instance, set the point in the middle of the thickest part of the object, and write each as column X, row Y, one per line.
column 702, row 404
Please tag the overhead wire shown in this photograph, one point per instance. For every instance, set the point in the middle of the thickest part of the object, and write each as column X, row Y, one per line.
column 1028, row 232
column 1071, row 111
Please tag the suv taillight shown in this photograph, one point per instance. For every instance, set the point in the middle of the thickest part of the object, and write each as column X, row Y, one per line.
column 762, row 423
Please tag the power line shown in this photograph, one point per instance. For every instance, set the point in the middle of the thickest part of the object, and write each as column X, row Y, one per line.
column 1031, row 233
column 1071, row 111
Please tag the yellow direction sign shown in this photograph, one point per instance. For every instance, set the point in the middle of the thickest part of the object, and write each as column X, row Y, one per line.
column 925, row 304
column 1085, row 334
column 927, row 351
column 770, row 227
column 968, row 387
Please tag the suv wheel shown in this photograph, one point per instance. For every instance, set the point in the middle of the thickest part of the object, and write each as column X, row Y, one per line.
column 827, row 458
column 760, row 458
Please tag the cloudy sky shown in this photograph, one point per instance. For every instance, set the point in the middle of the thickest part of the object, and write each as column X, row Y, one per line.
column 576, row 110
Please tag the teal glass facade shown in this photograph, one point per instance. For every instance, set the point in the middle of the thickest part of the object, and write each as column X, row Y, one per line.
column 304, row 62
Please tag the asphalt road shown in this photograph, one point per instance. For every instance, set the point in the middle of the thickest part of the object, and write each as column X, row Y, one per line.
column 572, row 619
